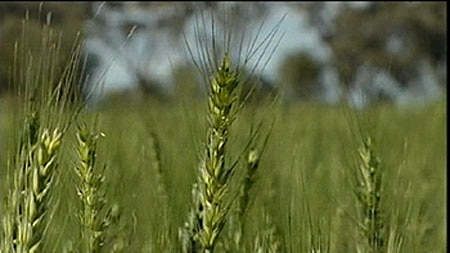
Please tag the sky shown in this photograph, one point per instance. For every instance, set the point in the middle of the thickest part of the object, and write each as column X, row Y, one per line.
column 156, row 51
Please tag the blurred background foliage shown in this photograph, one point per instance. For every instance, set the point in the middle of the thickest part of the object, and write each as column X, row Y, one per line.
column 415, row 31
column 66, row 21
column 392, row 36
column 301, row 68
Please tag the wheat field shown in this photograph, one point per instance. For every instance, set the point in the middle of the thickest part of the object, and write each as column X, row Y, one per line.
column 216, row 174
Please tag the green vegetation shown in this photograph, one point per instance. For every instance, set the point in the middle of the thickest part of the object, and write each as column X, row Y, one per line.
column 297, row 178
column 307, row 142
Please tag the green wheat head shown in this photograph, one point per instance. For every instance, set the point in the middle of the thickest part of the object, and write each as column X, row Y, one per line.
column 29, row 200
column 368, row 194
column 214, row 176
column 211, row 205
column 91, row 192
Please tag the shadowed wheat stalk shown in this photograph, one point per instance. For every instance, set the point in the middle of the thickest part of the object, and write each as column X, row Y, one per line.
column 268, row 240
column 253, row 160
column 162, row 190
column 233, row 238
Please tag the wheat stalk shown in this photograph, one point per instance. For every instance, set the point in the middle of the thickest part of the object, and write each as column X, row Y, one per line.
column 18, row 165
column 268, row 240
column 213, row 192
column 368, row 194
column 253, row 158
column 91, row 192
column 211, row 208
column 214, row 176
column 49, row 105
column 29, row 201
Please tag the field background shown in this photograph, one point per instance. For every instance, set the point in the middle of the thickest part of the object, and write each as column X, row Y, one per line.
column 307, row 141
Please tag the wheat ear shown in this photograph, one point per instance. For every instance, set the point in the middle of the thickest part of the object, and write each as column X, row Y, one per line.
column 31, row 196
column 208, row 218
column 368, row 194
column 90, row 191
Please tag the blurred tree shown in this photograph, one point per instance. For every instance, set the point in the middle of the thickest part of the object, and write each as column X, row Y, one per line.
column 393, row 36
column 300, row 75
